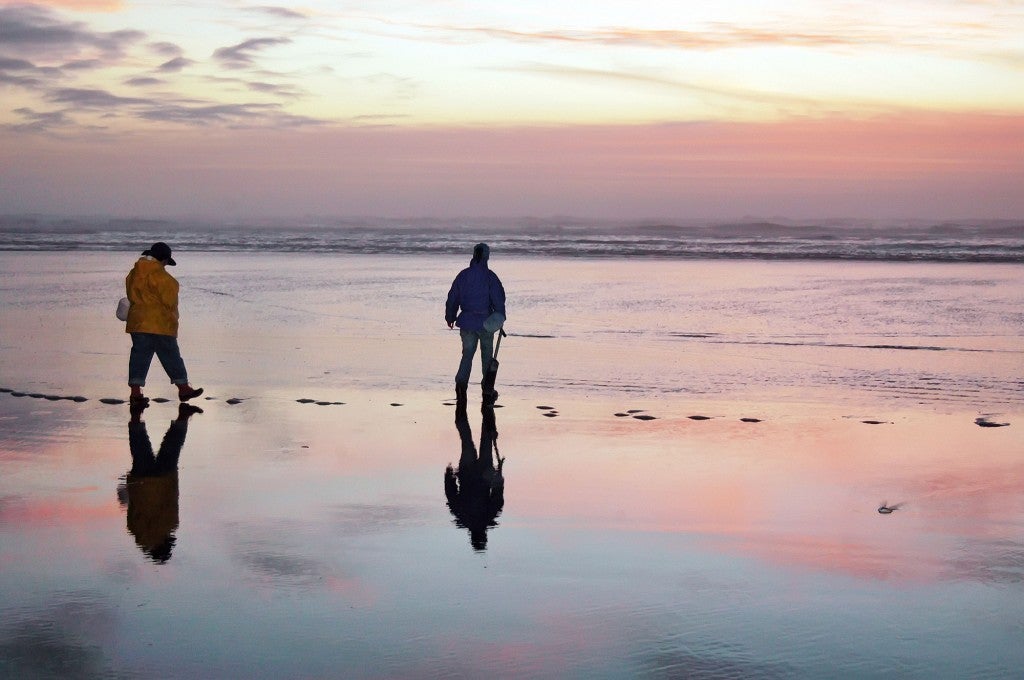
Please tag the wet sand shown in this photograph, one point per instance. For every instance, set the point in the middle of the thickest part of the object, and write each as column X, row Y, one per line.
column 304, row 529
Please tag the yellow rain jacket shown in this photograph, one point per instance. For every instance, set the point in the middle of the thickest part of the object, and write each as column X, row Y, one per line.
column 154, row 296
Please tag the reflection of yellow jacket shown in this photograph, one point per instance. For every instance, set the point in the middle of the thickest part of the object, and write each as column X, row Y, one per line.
column 152, row 509
column 154, row 296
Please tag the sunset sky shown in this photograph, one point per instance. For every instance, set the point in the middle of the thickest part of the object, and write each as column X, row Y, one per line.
column 864, row 108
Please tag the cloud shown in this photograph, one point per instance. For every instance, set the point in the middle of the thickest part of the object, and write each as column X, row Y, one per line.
column 174, row 65
column 21, row 81
column 39, row 121
column 82, row 65
column 232, row 115
column 35, row 32
column 166, row 109
column 77, row 5
column 279, row 12
column 143, row 81
column 286, row 91
column 721, row 37
column 25, row 74
column 643, row 79
column 166, row 49
column 84, row 98
column 242, row 54
column 15, row 65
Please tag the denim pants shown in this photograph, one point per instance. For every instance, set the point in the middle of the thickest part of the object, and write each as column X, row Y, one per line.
column 469, row 342
column 144, row 346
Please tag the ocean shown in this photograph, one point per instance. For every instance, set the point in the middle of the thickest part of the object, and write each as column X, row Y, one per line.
column 897, row 241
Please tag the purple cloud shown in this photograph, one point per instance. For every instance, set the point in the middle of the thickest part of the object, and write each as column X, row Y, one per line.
column 174, row 65
column 242, row 54
column 37, row 32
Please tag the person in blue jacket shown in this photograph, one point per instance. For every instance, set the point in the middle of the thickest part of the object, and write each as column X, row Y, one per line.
column 478, row 293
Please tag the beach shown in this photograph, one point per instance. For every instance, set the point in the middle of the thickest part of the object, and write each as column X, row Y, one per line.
column 694, row 453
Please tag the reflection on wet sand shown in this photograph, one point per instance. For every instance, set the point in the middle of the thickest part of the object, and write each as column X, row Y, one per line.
column 150, row 489
column 476, row 490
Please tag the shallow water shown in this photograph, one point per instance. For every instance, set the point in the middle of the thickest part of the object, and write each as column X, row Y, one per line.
column 898, row 334
column 313, row 541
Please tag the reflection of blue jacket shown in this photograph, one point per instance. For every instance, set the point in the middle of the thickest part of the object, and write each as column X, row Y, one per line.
column 478, row 292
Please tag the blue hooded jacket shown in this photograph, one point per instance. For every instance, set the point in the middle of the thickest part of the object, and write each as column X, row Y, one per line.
column 477, row 291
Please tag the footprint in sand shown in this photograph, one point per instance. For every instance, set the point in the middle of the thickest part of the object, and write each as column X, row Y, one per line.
column 110, row 400
column 750, row 420
column 550, row 414
column 699, row 417
column 875, row 422
column 395, row 404
column 985, row 422
column 233, row 401
column 644, row 417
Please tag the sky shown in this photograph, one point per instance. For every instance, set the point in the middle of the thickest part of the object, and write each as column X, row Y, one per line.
column 877, row 109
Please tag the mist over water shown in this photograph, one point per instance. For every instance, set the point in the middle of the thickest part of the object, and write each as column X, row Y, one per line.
column 776, row 239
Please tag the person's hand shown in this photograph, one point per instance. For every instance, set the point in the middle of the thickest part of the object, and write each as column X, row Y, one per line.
column 451, row 324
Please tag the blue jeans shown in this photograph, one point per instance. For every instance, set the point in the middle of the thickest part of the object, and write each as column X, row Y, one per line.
column 144, row 346
column 469, row 342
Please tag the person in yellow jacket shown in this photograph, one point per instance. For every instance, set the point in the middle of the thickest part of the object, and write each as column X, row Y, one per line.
column 153, row 324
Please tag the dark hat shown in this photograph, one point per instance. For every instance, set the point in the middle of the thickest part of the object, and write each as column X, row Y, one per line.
column 160, row 251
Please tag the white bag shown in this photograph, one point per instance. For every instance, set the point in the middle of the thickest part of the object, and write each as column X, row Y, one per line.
column 123, row 305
